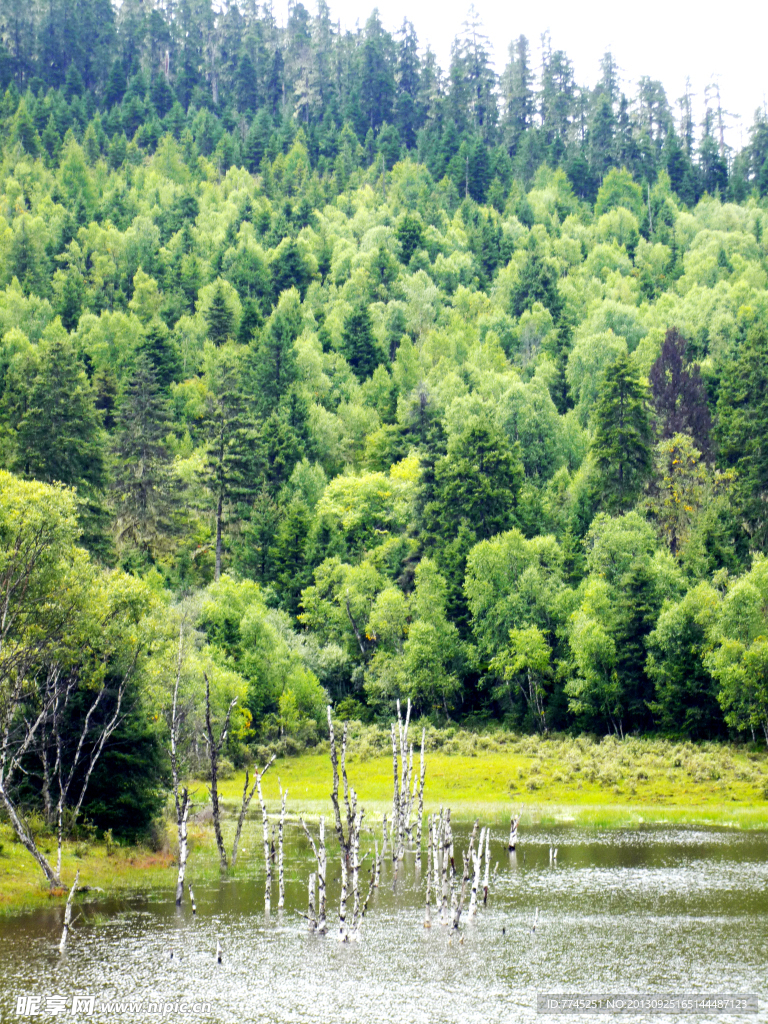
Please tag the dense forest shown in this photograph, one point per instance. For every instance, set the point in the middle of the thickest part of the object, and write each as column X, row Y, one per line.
column 329, row 375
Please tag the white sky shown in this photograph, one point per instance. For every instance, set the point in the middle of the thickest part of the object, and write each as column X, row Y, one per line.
column 663, row 39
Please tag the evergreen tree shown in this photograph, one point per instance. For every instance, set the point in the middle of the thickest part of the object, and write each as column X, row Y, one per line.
column 621, row 442
column 162, row 352
column 273, row 365
column 229, row 439
column 742, row 430
column 219, row 317
column 145, row 491
column 60, row 436
column 359, row 344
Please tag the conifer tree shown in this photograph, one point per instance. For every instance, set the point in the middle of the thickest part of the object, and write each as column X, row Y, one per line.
column 144, row 489
column 219, row 317
column 359, row 343
column 162, row 352
column 621, row 444
column 229, row 439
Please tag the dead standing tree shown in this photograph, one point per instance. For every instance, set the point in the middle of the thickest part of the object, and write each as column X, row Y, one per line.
column 349, row 844
column 180, row 795
column 246, row 803
column 214, row 750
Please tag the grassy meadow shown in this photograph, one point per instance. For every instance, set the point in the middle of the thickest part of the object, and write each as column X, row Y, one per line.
column 605, row 784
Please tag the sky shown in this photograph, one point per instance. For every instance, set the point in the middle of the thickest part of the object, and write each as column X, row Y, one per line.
column 666, row 40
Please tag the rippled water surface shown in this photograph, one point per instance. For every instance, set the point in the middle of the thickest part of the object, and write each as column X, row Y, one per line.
column 650, row 910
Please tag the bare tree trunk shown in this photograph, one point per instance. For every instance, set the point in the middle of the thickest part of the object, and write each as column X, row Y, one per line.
column 477, row 859
column 343, row 936
column 395, row 797
column 343, row 842
column 68, row 913
column 446, row 862
column 267, row 858
column 320, row 857
column 245, row 804
column 513, row 823
column 311, row 903
column 377, row 864
column 422, row 775
column 427, row 912
column 214, row 749
column 280, row 875
column 437, row 838
column 26, row 840
column 182, row 825
column 487, row 864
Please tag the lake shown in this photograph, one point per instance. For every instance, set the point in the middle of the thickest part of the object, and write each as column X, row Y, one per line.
column 653, row 909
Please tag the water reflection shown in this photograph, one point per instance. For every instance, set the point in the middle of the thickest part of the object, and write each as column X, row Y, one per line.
column 661, row 910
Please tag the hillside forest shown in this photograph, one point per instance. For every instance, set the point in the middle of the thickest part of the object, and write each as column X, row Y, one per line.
column 331, row 376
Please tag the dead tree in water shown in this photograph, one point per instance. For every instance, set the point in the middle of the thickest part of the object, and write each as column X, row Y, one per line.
column 245, row 804
column 487, row 864
column 181, row 799
column 350, row 802
column 321, row 866
column 214, row 749
column 427, row 912
column 280, row 873
column 513, row 823
column 265, row 833
column 68, row 913
column 458, row 901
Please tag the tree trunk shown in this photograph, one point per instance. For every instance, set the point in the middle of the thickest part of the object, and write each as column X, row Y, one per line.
column 182, row 827
column 280, row 875
column 68, row 913
column 219, row 514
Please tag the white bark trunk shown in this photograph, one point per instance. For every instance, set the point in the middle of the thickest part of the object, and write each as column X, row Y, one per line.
column 182, row 846
column 267, row 858
column 427, row 912
column 192, row 900
column 311, row 920
column 280, row 874
column 343, row 936
column 487, row 864
column 513, row 823
column 477, row 859
column 422, row 775
column 446, row 865
column 376, row 867
column 68, row 913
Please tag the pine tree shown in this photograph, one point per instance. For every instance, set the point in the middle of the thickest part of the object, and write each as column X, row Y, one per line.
column 621, row 444
column 219, row 317
column 60, row 437
column 359, row 343
column 273, row 364
column 144, row 489
column 229, row 440
column 162, row 352
column 742, row 430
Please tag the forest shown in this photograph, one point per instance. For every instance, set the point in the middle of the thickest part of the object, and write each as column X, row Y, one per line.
column 329, row 376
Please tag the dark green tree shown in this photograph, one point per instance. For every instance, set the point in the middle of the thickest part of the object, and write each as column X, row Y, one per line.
column 742, row 422
column 621, row 442
column 219, row 317
column 359, row 345
column 145, row 492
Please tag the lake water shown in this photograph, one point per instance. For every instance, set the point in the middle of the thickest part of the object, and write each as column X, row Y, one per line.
column 656, row 910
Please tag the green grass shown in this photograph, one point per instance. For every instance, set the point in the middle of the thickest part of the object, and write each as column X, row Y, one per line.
column 608, row 784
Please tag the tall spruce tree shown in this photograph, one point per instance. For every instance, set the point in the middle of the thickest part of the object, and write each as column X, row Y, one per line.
column 229, row 470
column 621, row 443
column 145, row 491
column 742, row 430
column 359, row 343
